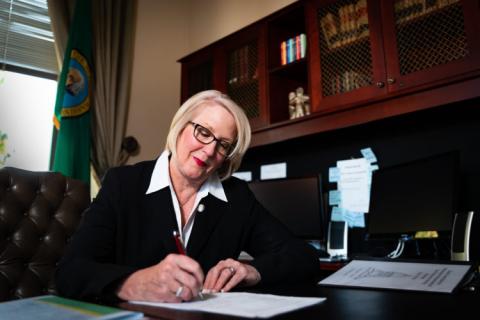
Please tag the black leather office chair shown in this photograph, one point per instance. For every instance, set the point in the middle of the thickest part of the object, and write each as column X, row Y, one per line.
column 39, row 212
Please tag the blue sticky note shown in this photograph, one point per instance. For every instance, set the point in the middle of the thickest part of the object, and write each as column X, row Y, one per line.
column 336, row 214
column 359, row 220
column 348, row 217
column 369, row 155
column 354, row 219
column 334, row 197
column 333, row 174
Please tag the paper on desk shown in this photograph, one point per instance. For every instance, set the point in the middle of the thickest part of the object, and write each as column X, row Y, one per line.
column 241, row 304
column 432, row 277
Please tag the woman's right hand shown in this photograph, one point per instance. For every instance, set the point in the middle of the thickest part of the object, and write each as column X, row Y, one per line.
column 164, row 281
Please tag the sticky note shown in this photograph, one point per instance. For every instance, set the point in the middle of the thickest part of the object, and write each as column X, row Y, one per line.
column 368, row 154
column 334, row 197
column 333, row 174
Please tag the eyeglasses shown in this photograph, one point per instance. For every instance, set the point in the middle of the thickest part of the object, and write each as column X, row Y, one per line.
column 205, row 136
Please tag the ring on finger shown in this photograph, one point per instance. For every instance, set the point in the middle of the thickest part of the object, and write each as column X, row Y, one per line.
column 179, row 291
column 232, row 270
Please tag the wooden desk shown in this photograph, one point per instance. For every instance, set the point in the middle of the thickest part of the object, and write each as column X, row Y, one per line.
column 332, row 266
column 355, row 304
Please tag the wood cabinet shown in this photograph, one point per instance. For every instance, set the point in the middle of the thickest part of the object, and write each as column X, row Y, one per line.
column 365, row 60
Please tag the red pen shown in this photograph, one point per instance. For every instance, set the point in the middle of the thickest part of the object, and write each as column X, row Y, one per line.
column 179, row 243
column 181, row 250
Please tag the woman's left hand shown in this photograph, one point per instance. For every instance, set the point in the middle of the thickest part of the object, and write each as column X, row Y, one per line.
column 229, row 273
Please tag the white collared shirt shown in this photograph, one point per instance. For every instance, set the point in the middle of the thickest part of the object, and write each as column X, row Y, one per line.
column 161, row 179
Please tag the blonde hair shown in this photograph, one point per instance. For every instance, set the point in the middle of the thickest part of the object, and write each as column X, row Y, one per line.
column 189, row 109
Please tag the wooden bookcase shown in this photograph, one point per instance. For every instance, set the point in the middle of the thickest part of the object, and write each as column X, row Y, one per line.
column 365, row 60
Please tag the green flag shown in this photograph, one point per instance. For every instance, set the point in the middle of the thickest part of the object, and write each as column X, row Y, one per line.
column 72, row 107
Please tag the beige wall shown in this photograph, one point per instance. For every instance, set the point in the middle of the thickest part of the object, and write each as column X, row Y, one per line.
column 211, row 20
column 160, row 39
column 166, row 31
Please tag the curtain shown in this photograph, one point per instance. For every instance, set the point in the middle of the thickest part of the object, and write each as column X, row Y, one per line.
column 112, row 44
column 61, row 15
column 113, row 29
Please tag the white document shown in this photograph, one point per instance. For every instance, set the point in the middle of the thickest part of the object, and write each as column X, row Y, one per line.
column 432, row 277
column 354, row 184
column 244, row 175
column 273, row 171
column 241, row 304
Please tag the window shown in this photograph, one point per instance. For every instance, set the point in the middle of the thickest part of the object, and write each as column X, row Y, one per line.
column 27, row 85
column 26, row 39
column 26, row 120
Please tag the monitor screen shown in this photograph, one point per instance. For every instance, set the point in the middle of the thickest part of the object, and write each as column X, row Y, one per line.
column 415, row 196
column 296, row 202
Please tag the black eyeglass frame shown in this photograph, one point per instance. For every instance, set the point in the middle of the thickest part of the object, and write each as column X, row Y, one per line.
column 198, row 129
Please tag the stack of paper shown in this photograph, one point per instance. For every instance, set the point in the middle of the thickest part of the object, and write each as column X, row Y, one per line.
column 433, row 277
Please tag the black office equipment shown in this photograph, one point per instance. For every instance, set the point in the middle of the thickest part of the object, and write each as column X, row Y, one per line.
column 296, row 202
column 337, row 243
column 417, row 196
column 465, row 237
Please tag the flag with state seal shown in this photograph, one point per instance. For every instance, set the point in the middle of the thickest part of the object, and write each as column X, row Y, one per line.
column 73, row 100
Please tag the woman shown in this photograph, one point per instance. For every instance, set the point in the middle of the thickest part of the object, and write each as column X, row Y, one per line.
column 125, row 246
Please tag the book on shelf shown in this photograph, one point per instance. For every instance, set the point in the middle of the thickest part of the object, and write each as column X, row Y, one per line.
column 348, row 24
column 293, row 49
column 303, row 45
column 361, row 11
column 233, row 67
column 53, row 307
column 283, row 53
column 351, row 22
column 298, row 50
column 330, row 30
column 406, row 10
column 342, row 15
column 349, row 80
column 290, row 50
column 240, row 70
column 243, row 64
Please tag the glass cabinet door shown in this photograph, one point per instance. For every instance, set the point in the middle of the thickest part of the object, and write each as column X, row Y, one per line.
column 350, row 52
column 245, row 73
column 200, row 77
column 430, row 40
column 242, row 78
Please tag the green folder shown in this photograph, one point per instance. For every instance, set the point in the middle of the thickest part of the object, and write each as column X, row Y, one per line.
column 54, row 307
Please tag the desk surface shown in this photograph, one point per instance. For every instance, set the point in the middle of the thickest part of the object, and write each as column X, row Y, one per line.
column 343, row 303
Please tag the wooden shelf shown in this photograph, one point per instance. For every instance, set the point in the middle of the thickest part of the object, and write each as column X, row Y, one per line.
column 359, row 114
column 393, row 88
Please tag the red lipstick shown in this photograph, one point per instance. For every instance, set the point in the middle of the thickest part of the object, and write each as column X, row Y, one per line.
column 199, row 162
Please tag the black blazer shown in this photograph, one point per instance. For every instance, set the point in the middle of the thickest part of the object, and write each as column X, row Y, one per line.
column 125, row 230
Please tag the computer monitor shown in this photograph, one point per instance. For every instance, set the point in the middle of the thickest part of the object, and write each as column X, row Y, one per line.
column 296, row 202
column 417, row 196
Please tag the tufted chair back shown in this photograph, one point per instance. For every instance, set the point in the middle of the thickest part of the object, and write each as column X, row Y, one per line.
column 39, row 212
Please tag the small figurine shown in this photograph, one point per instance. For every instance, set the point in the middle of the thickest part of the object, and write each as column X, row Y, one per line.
column 291, row 105
column 298, row 104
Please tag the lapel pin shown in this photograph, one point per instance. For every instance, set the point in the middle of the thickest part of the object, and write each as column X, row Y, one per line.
column 201, row 207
